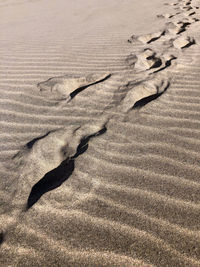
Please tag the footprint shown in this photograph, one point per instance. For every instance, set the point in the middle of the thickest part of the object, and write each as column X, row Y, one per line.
column 169, row 16
column 189, row 13
column 188, row 20
column 167, row 59
column 148, row 59
column 184, row 22
column 168, row 4
column 65, row 88
column 54, row 147
column 187, row 3
column 187, row 8
column 174, row 29
column 55, row 177
column 144, row 92
column 52, row 158
column 171, row 4
column 183, row 42
column 147, row 38
column 177, row 28
column 195, row 19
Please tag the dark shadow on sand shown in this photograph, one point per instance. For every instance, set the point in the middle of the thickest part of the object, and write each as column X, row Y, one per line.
column 32, row 142
column 144, row 101
column 167, row 64
column 2, row 238
column 59, row 175
column 141, row 103
column 80, row 89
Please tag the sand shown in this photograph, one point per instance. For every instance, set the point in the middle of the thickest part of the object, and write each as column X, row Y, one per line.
column 99, row 133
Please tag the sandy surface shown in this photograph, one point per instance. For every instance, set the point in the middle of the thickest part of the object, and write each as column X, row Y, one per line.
column 99, row 133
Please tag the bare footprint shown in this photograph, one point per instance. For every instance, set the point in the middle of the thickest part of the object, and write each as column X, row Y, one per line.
column 149, row 38
column 169, row 16
column 65, row 88
column 167, row 62
column 148, row 59
column 148, row 90
column 187, row 3
column 174, row 29
column 170, row 4
column 49, row 161
column 183, row 42
column 146, row 38
column 187, row 8
column 187, row 20
column 177, row 28
column 189, row 13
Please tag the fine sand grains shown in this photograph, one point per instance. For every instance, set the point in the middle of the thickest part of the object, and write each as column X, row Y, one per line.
column 99, row 158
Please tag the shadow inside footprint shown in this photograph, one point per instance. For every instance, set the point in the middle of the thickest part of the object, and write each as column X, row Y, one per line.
column 59, row 175
column 80, row 89
column 32, row 142
column 66, row 88
column 167, row 64
column 142, row 102
column 1, row 237
column 50, row 181
column 189, row 44
column 155, row 38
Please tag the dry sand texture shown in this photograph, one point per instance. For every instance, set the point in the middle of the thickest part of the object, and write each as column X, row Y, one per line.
column 99, row 158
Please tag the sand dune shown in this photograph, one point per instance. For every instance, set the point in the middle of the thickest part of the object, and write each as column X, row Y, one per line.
column 99, row 133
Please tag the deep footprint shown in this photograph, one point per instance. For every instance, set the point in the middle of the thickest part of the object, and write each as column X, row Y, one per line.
column 177, row 28
column 148, row 59
column 144, row 92
column 183, row 42
column 168, row 63
column 60, row 174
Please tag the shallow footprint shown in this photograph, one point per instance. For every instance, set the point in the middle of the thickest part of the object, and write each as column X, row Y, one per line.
column 147, row 38
column 66, row 88
column 169, row 16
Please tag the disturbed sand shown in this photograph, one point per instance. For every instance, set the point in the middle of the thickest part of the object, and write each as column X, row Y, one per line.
column 99, row 130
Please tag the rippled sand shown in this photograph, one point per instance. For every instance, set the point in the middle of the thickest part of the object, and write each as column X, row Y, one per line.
column 99, row 133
